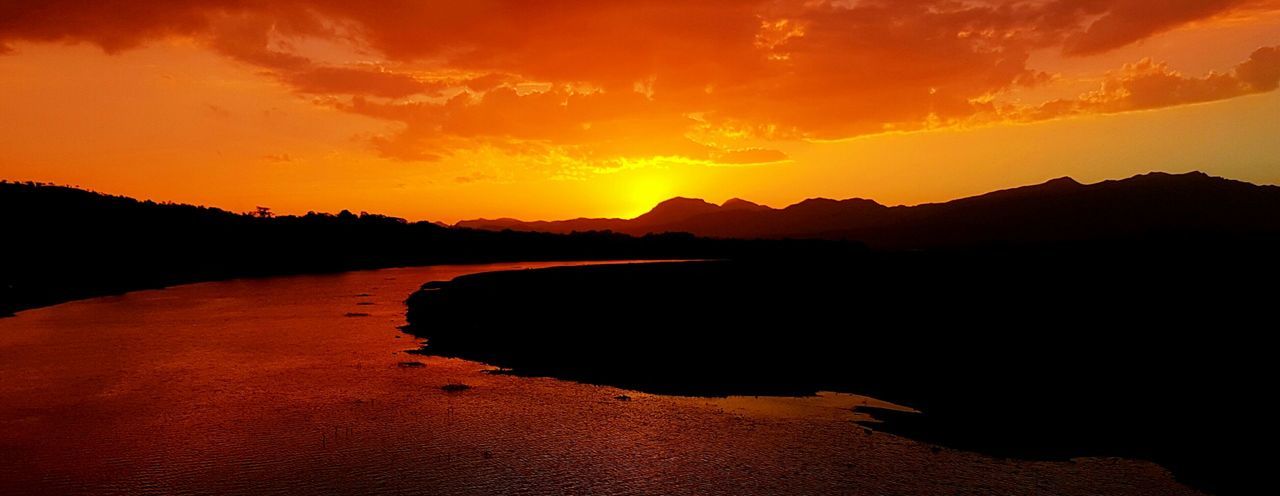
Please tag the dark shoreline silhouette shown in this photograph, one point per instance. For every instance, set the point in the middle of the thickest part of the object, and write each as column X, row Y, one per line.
column 64, row 244
column 1143, row 349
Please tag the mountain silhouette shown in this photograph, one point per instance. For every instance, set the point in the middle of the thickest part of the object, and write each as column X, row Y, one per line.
column 658, row 219
column 1058, row 210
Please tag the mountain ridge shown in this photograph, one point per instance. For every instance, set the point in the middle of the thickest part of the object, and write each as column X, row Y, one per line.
column 1060, row 209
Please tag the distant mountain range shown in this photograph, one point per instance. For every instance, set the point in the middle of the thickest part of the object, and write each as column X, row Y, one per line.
column 1060, row 210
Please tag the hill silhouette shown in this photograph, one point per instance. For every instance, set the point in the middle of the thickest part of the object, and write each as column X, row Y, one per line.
column 658, row 219
column 64, row 243
column 1060, row 210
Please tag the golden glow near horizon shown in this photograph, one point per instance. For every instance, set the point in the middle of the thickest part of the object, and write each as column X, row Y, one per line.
column 447, row 112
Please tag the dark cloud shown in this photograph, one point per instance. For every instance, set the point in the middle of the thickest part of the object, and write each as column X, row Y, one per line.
column 1123, row 22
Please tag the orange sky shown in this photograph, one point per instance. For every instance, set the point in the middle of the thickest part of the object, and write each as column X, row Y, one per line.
column 554, row 109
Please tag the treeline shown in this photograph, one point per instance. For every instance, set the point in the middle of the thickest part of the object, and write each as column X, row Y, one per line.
column 63, row 243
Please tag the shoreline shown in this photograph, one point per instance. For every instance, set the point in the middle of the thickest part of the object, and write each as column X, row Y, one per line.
column 1018, row 379
column 7, row 313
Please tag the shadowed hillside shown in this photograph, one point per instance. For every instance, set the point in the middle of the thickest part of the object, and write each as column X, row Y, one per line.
column 63, row 243
column 1060, row 210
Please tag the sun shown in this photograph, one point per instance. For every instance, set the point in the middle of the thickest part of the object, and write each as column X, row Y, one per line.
column 643, row 192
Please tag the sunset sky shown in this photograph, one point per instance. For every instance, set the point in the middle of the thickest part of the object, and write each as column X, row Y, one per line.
column 556, row 109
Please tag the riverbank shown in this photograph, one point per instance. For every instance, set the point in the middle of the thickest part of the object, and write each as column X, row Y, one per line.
column 1045, row 355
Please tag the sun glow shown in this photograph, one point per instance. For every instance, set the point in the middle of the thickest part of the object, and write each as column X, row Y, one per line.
column 646, row 191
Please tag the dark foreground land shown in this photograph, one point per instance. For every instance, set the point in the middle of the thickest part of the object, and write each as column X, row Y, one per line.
column 1155, row 349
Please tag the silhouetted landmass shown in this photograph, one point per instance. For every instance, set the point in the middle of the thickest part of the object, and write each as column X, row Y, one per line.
column 1061, row 210
column 662, row 218
column 1121, row 318
column 1152, row 348
column 63, row 243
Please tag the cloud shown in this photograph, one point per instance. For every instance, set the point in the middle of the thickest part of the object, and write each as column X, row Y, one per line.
column 1149, row 85
column 1262, row 71
column 708, row 80
column 359, row 81
column 114, row 25
column 1124, row 22
column 750, row 156
column 280, row 158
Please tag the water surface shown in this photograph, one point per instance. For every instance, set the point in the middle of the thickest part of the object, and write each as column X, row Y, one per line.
column 302, row 385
